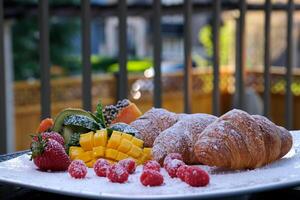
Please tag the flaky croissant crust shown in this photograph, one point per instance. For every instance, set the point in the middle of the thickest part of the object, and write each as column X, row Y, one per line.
column 238, row 140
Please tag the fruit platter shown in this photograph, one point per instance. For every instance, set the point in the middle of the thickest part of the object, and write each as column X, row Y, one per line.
column 120, row 152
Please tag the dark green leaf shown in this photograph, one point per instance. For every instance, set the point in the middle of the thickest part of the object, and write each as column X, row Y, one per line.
column 99, row 114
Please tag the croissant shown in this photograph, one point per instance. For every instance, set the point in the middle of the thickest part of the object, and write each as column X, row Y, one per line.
column 238, row 140
column 180, row 137
column 153, row 122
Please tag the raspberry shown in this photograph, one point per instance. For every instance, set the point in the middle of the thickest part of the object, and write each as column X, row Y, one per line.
column 172, row 156
column 129, row 165
column 117, row 174
column 196, row 177
column 77, row 169
column 151, row 178
column 172, row 166
column 181, row 172
column 101, row 167
column 152, row 164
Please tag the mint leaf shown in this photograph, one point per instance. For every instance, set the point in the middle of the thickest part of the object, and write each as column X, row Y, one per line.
column 99, row 114
column 94, row 117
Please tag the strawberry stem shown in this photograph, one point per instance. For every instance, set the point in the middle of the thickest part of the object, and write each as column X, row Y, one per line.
column 37, row 146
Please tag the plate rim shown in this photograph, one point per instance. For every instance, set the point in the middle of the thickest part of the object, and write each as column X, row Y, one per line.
column 217, row 194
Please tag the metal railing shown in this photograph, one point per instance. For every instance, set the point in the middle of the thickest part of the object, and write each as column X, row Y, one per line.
column 122, row 10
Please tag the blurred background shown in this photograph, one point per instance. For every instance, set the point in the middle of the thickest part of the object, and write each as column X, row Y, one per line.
column 21, row 38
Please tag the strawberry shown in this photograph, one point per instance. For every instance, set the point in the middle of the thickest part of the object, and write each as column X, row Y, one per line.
column 51, row 135
column 48, row 154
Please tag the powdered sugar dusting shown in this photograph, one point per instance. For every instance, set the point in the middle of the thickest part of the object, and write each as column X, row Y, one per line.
column 180, row 137
column 283, row 171
column 152, row 123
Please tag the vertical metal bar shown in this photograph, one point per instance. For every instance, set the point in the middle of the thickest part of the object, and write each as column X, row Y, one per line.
column 86, row 52
column 123, row 84
column 188, row 9
column 157, row 53
column 289, row 65
column 267, row 51
column 240, row 54
column 44, row 58
column 3, row 120
column 216, row 57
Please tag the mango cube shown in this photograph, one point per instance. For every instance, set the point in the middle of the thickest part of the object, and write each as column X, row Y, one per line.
column 117, row 133
column 148, row 152
column 121, row 156
column 90, row 164
column 85, row 156
column 111, row 154
column 137, row 142
column 98, row 151
column 114, row 141
column 135, row 151
column 111, row 161
column 86, row 141
column 143, row 157
column 127, row 136
column 74, row 152
column 124, row 146
column 100, row 138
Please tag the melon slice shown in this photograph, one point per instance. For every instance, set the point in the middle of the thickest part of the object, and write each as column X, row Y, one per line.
column 128, row 114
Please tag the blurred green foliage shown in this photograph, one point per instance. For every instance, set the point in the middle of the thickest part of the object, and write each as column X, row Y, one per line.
column 226, row 44
column 133, row 66
column 26, row 44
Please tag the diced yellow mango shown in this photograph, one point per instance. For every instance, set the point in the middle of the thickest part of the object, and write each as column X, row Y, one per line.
column 85, row 156
column 137, row 142
column 114, row 141
column 143, row 158
column 74, row 152
column 98, row 152
column 117, row 133
column 121, row 156
column 90, row 164
column 135, row 151
column 127, row 136
column 111, row 154
column 147, row 151
column 111, row 161
column 86, row 141
column 100, row 138
column 124, row 146
column 149, row 157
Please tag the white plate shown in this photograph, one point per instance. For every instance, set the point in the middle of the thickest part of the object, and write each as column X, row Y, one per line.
column 282, row 173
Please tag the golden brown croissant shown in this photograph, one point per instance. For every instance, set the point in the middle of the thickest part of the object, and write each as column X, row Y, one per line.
column 180, row 137
column 238, row 140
